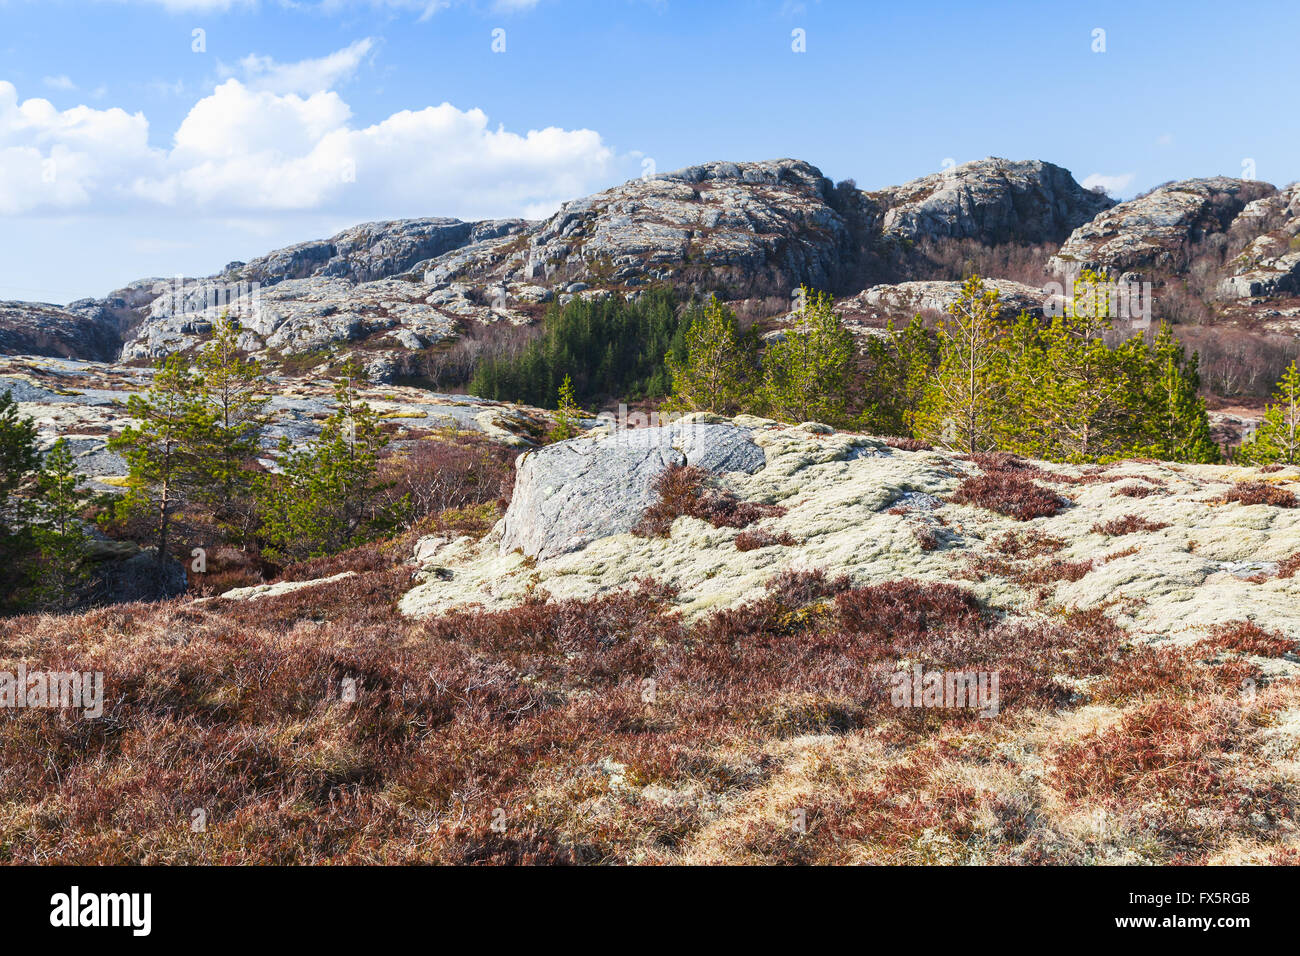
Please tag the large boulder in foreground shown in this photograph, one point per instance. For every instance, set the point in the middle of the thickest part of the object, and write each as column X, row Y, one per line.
column 573, row 492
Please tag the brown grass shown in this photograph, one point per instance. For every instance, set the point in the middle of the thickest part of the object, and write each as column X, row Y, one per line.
column 1261, row 493
column 1128, row 524
column 1250, row 638
column 611, row 730
column 683, row 490
column 1011, row 494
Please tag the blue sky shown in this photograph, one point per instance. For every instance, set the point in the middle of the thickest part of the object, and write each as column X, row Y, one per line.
column 126, row 152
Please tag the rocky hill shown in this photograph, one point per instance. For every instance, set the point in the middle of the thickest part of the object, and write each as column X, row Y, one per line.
column 991, row 200
column 754, row 229
column 395, row 293
column 1235, row 242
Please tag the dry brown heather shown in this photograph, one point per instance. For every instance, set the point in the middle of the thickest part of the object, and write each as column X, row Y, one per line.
column 615, row 730
column 717, row 689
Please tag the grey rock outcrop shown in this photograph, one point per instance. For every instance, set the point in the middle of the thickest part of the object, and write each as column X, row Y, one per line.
column 993, row 200
column 298, row 316
column 372, row 250
column 77, row 330
column 1159, row 230
column 573, row 492
column 902, row 300
column 762, row 227
column 1266, row 277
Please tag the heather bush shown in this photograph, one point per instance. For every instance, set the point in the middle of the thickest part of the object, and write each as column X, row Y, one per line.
column 1009, row 493
column 682, row 490
column 1250, row 638
column 1139, row 491
column 1261, row 493
column 1288, row 567
column 1128, row 524
column 760, row 538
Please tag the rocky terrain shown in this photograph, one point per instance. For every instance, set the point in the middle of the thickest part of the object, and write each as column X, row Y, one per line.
column 396, row 291
column 993, row 200
column 855, row 504
column 931, row 299
column 756, row 229
column 722, row 686
column 85, row 403
column 1236, row 241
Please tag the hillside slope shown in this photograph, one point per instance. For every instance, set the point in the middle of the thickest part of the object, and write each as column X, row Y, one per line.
column 602, row 697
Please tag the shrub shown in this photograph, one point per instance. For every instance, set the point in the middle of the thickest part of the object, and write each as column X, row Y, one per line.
column 1261, row 493
column 1163, row 748
column 1250, row 638
column 1128, row 524
column 908, row 444
column 1010, row 494
column 1002, row 461
column 759, row 538
column 1139, row 491
column 681, row 491
column 1055, row 570
column 926, row 537
column 795, row 588
column 901, row 608
column 440, row 474
column 1287, row 567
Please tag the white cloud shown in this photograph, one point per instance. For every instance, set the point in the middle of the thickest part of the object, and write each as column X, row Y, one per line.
column 1115, row 185
column 60, row 82
column 305, row 76
column 67, row 159
column 254, row 152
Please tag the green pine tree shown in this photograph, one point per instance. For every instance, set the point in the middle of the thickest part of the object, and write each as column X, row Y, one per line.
column 60, row 536
column 18, row 462
column 1087, row 403
column 566, row 413
column 1023, row 374
column 898, row 366
column 1277, row 438
column 807, row 371
column 717, row 371
column 1175, row 421
column 163, row 449
column 229, row 388
column 963, row 407
column 327, row 496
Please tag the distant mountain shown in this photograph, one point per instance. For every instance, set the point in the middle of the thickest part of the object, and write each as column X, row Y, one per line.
column 753, row 230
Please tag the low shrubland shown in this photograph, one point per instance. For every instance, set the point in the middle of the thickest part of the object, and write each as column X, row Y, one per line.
column 321, row 726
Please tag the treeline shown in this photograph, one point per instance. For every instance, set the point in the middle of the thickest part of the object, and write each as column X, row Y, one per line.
column 194, row 454
column 1057, row 390
column 610, row 347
